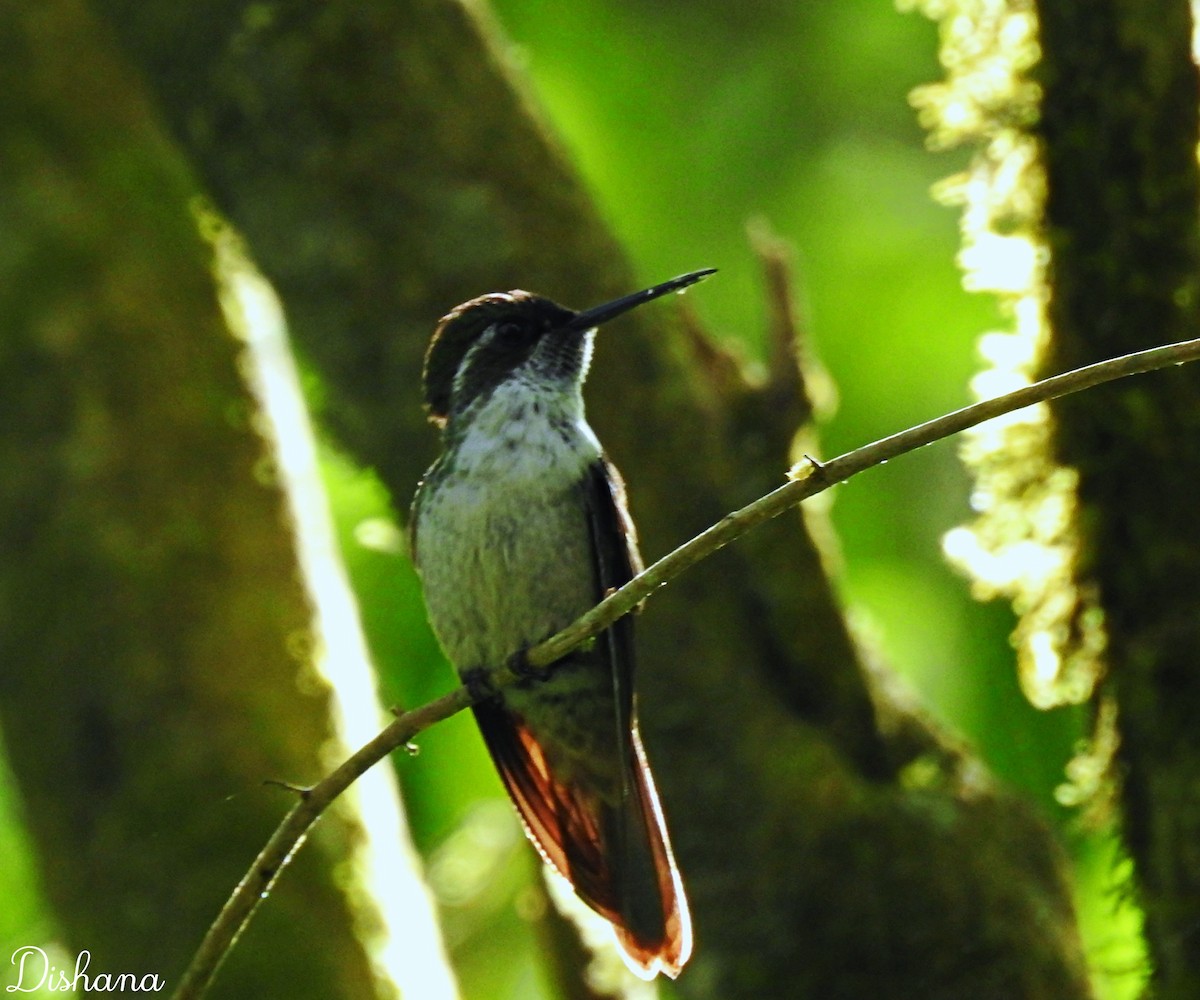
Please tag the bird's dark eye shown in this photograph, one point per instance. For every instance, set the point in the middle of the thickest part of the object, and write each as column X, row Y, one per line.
column 508, row 331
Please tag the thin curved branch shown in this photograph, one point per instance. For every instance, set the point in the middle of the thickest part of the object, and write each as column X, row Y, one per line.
column 807, row 479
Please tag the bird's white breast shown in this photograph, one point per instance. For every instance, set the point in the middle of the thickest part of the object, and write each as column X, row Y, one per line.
column 502, row 534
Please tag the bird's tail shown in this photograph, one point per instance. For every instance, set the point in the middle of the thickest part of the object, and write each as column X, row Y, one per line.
column 653, row 927
column 612, row 848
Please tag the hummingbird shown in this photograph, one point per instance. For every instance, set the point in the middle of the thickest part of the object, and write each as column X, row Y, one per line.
column 518, row 528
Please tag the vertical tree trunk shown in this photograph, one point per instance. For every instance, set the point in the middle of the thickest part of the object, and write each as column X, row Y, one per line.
column 1119, row 123
column 151, row 612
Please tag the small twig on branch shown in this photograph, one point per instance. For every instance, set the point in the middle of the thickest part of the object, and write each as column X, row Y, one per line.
column 808, row 479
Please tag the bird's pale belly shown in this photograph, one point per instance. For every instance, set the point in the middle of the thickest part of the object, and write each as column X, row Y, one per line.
column 506, row 568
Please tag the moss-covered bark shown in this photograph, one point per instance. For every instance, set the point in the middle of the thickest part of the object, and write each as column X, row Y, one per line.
column 149, row 592
column 384, row 168
column 1119, row 125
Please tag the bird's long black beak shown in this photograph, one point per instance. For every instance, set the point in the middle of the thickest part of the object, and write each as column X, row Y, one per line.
column 590, row 318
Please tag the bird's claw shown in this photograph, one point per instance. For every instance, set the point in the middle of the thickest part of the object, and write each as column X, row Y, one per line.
column 521, row 668
column 478, row 682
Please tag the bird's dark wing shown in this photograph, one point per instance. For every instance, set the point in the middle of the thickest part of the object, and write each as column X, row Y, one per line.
column 615, row 561
column 610, row 843
column 654, row 927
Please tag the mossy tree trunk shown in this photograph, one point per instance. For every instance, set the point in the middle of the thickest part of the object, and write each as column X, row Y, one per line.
column 150, row 601
column 1119, row 130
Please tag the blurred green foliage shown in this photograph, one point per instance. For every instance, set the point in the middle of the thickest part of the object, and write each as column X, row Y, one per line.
column 23, row 917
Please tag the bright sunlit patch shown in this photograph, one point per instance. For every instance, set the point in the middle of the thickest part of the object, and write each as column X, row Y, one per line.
column 997, row 571
column 1044, row 659
column 1006, row 264
column 1196, row 30
column 958, row 114
column 1010, row 352
column 380, row 534
column 994, row 382
column 1030, row 325
column 401, row 928
column 1023, row 543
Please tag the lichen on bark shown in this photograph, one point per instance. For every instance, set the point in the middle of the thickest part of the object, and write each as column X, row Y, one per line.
column 1088, row 160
